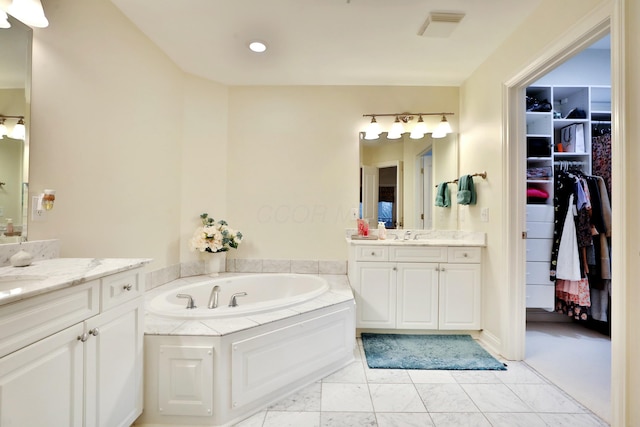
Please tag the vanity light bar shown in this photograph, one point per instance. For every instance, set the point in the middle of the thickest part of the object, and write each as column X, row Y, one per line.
column 373, row 130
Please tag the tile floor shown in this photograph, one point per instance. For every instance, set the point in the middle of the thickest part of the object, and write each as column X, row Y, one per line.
column 359, row 396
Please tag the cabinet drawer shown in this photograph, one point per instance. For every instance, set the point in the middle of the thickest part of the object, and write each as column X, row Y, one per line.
column 119, row 288
column 465, row 255
column 540, row 296
column 25, row 322
column 539, row 249
column 539, row 230
column 540, row 213
column 372, row 253
column 418, row 254
column 538, row 273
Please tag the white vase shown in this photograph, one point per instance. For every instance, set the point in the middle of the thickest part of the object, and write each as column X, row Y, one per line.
column 214, row 263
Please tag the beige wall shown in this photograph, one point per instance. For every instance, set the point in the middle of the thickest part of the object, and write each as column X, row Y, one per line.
column 294, row 162
column 106, row 133
column 481, row 145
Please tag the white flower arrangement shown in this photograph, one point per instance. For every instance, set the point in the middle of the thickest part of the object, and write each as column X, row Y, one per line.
column 214, row 236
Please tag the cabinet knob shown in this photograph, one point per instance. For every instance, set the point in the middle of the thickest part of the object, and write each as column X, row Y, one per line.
column 127, row 287
column 94, row 332
column 442, row 269
column 395, row 268
column 83, row 338
column 465, row 255
column 373, row 253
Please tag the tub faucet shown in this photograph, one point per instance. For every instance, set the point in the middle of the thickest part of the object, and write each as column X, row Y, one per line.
column 213, row 298
column 190, row 303
column 233, row 302
column 407, row 235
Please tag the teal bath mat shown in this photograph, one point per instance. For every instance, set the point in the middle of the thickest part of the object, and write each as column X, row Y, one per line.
column 442, row 352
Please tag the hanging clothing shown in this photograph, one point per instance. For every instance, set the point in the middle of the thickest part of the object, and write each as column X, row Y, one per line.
column 568, row 260
column 601, row 157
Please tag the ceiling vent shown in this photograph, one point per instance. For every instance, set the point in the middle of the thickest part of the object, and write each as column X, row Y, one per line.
column 440, row 24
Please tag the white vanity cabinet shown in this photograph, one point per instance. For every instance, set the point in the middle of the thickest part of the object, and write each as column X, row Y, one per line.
column 73, row 357
column 416, row 287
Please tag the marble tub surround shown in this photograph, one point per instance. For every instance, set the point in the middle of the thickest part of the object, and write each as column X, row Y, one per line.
column 241, row 265
column 424, row 237
column 46, row 275
column 339, row 291
column 39, row 249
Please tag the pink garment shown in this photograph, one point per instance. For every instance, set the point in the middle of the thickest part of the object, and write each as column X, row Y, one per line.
column 576, row 291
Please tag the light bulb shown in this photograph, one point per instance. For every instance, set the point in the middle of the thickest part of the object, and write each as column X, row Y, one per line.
column 419, row 130
column 373, row 128
column 19, row 131
column 3, row 129
column 396, row 129
column 257, row 46
column 29, row 12
column 443, row 127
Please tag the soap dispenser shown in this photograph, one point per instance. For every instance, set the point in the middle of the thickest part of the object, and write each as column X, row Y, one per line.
column 382, row 231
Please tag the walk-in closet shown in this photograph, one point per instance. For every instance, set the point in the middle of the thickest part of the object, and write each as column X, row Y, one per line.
column 568, row 265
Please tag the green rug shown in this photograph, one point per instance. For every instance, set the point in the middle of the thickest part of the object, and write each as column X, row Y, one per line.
column 442, row 352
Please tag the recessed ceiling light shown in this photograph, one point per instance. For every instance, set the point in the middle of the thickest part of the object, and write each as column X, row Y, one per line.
column 257, row 46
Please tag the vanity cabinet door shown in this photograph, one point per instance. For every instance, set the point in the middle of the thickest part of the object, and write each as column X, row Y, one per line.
column 417, row 296
column 376, row 295
column 460, row 301
column 42, row 384
column 114, row 366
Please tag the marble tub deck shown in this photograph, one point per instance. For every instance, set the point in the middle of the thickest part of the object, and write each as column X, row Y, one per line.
column 339, row 291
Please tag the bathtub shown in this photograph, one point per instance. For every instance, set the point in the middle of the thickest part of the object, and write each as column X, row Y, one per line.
column 217, row 367
column 265, row 292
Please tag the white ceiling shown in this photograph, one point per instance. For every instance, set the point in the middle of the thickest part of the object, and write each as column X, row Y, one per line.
column 325, row 42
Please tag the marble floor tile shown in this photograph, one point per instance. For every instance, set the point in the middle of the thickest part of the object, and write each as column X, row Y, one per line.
column 389, row 376
column 254, row 421
column 343, row 419
column 421, row 376
column 445, row 398
column 307, row 399
column 346, row 398
column 572, row 420
column 520, row 373
column 515, row 420
column 352, row 373
column 464, row 419
column 396, row 398
column 292, row 419
column 495, row 398
column 477, row 377
column 545, row 398
column 403, row 419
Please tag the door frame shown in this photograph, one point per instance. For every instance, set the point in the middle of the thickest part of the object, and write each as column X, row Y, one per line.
column 608, row 18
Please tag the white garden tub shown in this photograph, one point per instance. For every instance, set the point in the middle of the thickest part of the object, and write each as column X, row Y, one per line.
column 265, row 292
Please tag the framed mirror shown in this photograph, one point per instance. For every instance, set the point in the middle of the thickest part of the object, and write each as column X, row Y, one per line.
column 398, row 179
column 15, row 80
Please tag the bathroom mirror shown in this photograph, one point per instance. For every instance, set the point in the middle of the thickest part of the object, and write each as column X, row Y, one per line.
column 15, row 78
column 398, row 178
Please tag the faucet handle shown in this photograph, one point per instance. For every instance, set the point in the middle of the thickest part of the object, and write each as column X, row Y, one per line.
column 190, row 303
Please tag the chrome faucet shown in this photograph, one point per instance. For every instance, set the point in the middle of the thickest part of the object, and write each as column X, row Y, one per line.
column 213, row 298
column 407, row 235
column 233, row 302
column 190, row 303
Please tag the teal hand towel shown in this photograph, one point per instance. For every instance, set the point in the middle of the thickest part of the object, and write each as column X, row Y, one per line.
column 466, row 190
column 443, row 196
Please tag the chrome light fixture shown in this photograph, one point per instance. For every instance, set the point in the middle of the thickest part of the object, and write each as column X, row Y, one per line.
column 373, row 130
column 18, row 132
column 3, row 128
column 396, row 129
column 419, row 129
column 4, row 20
column 29, row 12
column 443, row 129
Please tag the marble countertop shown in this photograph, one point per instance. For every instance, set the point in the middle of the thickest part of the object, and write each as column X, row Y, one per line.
column 339, row 292
column 417, row 242
column 17, row 283
column 395, row 237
